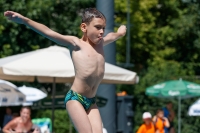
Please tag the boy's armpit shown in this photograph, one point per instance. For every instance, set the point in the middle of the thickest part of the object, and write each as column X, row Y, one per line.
column 75, row 41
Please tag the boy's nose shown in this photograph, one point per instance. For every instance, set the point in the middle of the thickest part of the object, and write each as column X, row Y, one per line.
column 101, row 31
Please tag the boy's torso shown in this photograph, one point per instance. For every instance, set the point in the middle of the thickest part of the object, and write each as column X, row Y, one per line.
column 89, row 68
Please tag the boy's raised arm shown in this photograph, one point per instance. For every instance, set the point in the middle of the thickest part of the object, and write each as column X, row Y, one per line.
column 166, row 122
column 41, row 29
column 111, row 37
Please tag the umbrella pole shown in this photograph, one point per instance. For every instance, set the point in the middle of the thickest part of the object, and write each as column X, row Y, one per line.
column 53, row 102
column 179, row 114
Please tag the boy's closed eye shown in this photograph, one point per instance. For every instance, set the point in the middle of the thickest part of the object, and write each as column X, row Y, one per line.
column 100, row 27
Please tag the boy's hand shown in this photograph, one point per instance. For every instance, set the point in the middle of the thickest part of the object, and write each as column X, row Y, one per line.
column 164, row 118
column 122, row 30
column 15, row 17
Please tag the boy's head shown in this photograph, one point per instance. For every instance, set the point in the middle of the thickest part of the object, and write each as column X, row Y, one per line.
column 93, row 26
column 160, row 113
column 147, row 117
column 90, row 13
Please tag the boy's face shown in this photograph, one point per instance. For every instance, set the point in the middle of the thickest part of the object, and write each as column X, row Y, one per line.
column 94, row 30
column 160, row 114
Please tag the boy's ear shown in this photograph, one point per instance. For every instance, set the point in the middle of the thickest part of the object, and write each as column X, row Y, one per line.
column 83, row 27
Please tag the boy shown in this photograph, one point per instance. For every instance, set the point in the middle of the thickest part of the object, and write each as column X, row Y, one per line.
column 88, row 59
column 160, row 121
column 148, row 126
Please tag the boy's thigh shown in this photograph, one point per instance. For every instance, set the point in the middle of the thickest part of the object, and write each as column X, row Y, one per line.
column 78, row 116
column 95, row 119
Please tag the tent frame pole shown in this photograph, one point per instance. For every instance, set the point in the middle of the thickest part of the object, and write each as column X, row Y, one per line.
column 179, row 114
column 53, row 102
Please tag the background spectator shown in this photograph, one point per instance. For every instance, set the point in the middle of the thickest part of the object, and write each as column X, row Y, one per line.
column 169, row 113
column 160, row 121
column 7, row 116
column 22, row 123
column 148, row 126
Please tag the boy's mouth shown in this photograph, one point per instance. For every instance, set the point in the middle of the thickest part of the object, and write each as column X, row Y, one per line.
column 100, row 37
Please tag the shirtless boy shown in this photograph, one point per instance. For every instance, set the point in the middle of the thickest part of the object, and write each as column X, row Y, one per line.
column 89, row 62
column 21, row 124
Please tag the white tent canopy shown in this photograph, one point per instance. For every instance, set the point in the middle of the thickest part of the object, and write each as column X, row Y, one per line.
column 54, row 65
column 9, row 95
column 194, row 109
column 54, row 62
column 32, row 94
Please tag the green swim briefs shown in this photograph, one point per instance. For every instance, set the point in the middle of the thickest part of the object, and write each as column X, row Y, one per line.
column 86, row 102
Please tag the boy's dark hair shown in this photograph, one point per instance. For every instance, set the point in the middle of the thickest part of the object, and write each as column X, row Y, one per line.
column 90, row 13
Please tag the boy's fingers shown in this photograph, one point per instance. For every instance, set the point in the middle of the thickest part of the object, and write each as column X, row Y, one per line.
column 8, row 13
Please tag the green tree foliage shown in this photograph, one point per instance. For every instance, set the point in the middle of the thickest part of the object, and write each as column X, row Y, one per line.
column 164, row 46
column 62, row 16
column 161, row 31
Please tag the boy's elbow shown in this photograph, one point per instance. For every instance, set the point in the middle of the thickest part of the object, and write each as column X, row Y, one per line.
column 168, row 125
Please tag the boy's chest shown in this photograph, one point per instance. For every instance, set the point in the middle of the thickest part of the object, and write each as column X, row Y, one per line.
column 89, row 52
column 89, row 58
